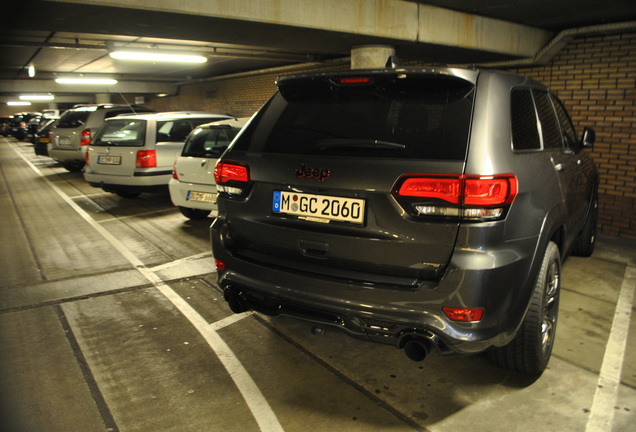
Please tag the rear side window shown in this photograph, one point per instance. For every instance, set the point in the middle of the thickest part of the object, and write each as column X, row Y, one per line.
column 570, row 138
column 549, row 126
column 423, row 117
column 210, row 142
column 73, row 119
column 178, row 130
column 123, row 133
column 525, row 134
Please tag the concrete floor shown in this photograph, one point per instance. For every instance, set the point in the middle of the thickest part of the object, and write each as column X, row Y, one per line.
column 110, row 319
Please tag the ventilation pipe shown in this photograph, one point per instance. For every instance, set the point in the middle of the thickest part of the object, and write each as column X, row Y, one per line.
column 371, row 56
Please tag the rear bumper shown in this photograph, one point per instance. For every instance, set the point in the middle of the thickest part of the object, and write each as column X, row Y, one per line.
column 139, row 181
column 179, row 194
column 500, row 281
column 70, row 155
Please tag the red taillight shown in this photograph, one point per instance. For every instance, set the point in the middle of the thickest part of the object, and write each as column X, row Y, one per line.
column 87, row 157
column 490, row 191
column 463, row 314
column 220, row 265
column 355, row 80
column 447, row 189
column 85, row 137
column 468, row 196
column 174, row 171
column 226, row 172
column 146, row 159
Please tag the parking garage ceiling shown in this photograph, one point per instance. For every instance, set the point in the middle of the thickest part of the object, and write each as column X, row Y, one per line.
column 68, row 37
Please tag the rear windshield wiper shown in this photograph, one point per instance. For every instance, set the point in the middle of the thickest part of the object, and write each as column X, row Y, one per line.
column 326, row 144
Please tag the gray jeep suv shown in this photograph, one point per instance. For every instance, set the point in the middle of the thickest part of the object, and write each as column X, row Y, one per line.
column 429, row 209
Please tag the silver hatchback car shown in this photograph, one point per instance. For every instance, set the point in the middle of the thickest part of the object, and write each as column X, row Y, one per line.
column 134, row 153
column 192, row 187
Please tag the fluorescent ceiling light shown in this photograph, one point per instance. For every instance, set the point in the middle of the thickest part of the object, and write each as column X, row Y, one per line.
column 31, row 70
column 108, row 81
column 37, row 97
column 158, row 56
column 18, row 103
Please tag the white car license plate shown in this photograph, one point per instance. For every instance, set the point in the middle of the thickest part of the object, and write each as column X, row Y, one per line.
column 64, row 141
column 201, row 196
column 319, row 208
column 108, row 160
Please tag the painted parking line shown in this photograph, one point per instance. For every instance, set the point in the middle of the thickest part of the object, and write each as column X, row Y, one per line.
column 260, row 408
column 181, row 261
column 602, row 412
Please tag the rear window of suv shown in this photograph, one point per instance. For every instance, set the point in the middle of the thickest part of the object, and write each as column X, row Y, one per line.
column 73, row 119
column 423, row 117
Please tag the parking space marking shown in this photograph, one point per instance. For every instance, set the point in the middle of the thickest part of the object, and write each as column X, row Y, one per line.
column 602, row 412
column 229, row 320
column 181, row 261
column 258, row 405
column 121, row 218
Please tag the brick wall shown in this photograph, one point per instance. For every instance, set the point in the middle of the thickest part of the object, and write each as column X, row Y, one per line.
column 240, row 96
column 595, row 76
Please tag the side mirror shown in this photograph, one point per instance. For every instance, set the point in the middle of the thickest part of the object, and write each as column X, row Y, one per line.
column 589, row 136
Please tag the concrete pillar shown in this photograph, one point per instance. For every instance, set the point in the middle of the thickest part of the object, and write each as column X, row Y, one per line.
column 102, row 98
column 371, row 56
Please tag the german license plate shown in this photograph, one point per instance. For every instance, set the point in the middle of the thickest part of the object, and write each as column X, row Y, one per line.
column 201, row 196
column 319, row 208
column 108, row 160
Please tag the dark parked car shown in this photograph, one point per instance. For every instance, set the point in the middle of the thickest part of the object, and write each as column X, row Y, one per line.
column 429, row 209
column 4, row 125
column 33, row 125
column 42, row 139
column 18, row 124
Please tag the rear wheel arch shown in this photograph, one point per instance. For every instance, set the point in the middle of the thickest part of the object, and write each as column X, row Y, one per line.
column 530, row 350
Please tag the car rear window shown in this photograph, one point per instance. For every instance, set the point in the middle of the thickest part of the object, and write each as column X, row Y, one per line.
column 424, row 117
column 73, row 119
column 123, row 133
column 178, row 130
column 209, row 141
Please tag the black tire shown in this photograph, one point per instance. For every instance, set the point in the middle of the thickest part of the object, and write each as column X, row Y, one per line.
column 191, row 213
column 71, row 167
column 530, row 350
column 584, row 244
column 126, row 194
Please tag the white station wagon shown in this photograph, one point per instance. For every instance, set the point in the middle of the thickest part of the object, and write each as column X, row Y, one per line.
column 132, row 154
column 192, row 186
